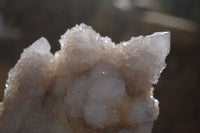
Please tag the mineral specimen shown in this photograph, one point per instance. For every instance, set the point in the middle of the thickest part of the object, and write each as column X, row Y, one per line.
column 91, row 85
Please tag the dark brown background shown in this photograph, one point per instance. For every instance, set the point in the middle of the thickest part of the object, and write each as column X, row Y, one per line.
column 24, row 21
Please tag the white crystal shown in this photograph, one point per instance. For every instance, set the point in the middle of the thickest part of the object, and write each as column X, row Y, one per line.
column 90, row 85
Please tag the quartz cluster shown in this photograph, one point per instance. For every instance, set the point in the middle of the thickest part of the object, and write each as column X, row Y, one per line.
column 91, row 85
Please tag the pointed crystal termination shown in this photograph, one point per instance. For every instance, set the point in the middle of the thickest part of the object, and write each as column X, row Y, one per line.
column 91, row 85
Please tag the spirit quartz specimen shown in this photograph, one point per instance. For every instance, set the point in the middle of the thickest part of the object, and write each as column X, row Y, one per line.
column 91, row 85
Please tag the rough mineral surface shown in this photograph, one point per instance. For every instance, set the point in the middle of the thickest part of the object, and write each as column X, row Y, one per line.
column 91, row 85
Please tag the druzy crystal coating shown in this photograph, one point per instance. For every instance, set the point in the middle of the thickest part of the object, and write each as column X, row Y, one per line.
column 91, row 85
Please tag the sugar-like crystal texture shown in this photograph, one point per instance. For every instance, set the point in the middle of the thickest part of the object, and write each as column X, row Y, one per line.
column 91, row 85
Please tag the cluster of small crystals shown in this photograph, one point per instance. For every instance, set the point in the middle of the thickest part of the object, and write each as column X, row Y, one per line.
column 90, row 85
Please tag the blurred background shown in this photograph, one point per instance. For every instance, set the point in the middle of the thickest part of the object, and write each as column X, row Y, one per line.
column 24, row 21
